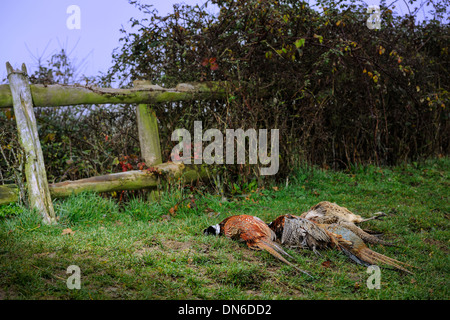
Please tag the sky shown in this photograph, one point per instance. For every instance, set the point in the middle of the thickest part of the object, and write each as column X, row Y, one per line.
column 32, row 29
column 38, row 28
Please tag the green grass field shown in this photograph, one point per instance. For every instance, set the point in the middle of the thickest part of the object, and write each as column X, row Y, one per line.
column 133, row 251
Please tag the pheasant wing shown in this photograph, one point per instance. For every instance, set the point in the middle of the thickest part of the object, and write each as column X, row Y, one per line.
column 297, row 229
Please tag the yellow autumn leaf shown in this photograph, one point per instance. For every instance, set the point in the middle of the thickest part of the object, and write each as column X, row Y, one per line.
column 50, row 137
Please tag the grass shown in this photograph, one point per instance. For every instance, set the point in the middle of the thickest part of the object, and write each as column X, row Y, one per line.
column 138, row 250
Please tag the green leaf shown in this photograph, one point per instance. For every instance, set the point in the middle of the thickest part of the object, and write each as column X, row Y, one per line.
column 299, row 43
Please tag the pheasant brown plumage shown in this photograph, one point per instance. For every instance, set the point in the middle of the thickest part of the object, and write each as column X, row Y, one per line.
column 328, row 213
column 254, row 232
column 294, row 231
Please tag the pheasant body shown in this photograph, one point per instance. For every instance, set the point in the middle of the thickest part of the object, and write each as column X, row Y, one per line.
column 330, row 213
column 254, row 232
column 327, row 212
column 294, row 231
column 343, row 234
column 249, row 229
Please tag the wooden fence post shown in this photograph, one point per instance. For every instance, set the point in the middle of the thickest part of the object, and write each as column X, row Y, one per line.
column 148, row 134
column 37, row 185
column 148, row 130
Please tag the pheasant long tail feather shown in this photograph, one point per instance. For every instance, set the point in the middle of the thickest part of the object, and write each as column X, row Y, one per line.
column 353, row 257
column 276, row 251
column 373, row 257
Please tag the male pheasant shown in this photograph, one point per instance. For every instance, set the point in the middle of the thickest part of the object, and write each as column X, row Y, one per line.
column 254, row 232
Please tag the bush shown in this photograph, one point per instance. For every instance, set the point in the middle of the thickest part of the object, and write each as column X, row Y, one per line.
column 340, row 93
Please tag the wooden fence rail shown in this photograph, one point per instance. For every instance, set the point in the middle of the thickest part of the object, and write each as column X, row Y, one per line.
column 67, row 95
column 130, row 180
column 22, row 96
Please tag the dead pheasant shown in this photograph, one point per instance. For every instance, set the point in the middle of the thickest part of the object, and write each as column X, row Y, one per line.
column 254, row 232
column 295, row 231
column 358, row 251
column 327, row 213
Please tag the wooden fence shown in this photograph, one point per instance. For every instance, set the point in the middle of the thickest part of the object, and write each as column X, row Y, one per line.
column 23, row 97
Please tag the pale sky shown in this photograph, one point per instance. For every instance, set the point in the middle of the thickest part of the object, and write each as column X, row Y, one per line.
column 38, row 28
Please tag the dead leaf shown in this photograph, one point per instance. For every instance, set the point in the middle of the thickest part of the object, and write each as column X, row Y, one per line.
column 326, row 264
column 173, row 209
column 275, row 188
column 192, row 205
column 67, row 231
